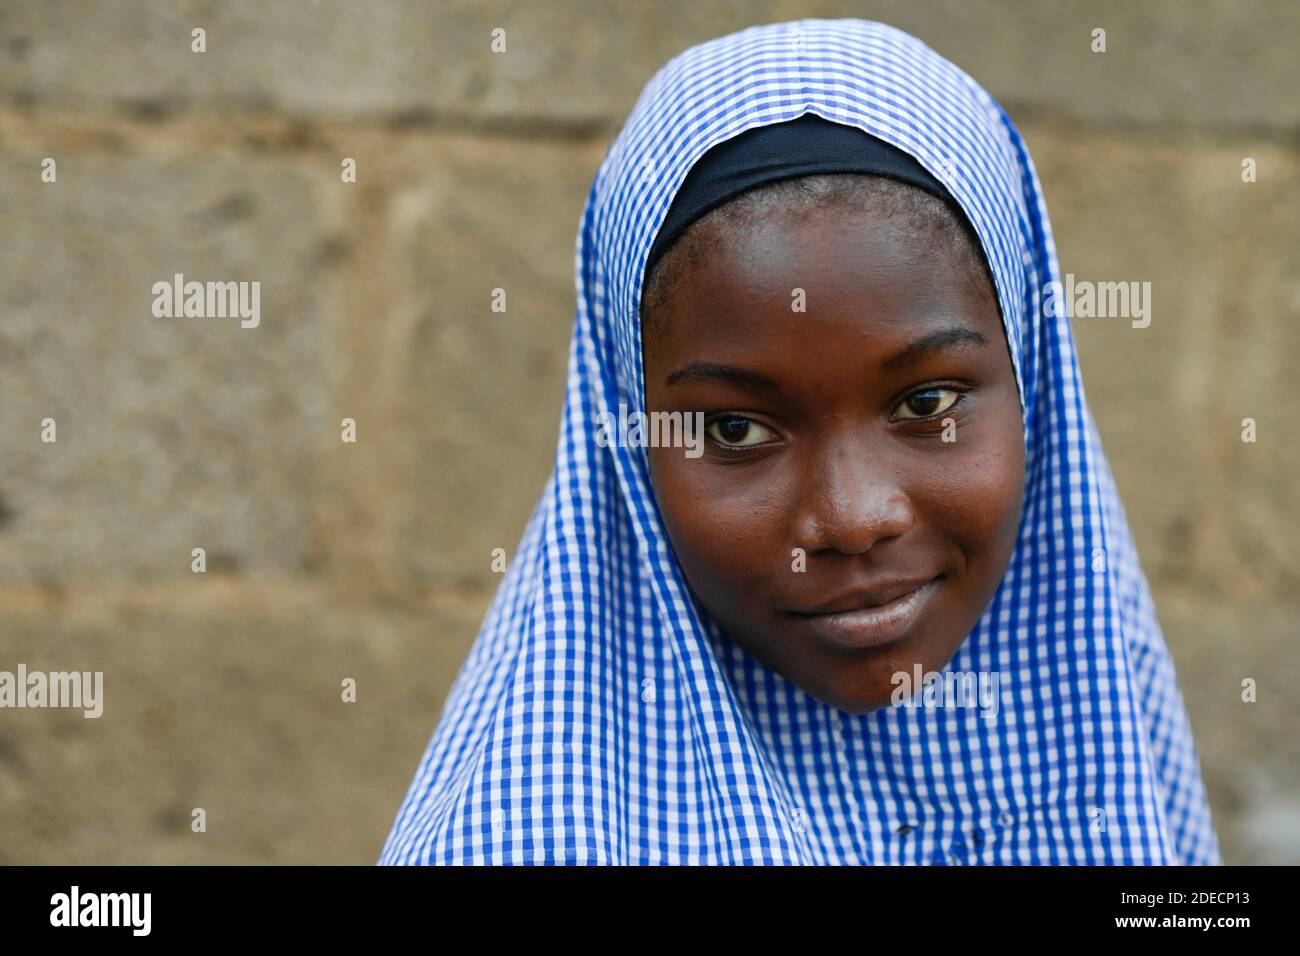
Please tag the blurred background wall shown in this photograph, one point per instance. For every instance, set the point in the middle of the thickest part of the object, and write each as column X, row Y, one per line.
column 372, row 560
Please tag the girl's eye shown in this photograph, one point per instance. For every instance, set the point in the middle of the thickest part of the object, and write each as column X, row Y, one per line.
column 736, row 432
column 927, row 403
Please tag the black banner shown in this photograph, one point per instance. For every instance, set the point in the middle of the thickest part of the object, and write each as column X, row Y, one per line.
column 330, row 905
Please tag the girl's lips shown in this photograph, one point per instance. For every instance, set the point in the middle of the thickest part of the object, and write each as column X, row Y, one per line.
column 872, row 626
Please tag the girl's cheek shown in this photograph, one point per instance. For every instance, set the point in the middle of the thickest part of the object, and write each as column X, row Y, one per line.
column 727, row 540
column 978, row 493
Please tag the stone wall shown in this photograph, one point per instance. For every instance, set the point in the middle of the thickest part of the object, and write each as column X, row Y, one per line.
column 371, row 560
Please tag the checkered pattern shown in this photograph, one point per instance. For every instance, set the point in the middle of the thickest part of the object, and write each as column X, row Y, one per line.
column 602, row 718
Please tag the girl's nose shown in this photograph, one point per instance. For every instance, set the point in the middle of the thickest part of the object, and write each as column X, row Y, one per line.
column 852, row 499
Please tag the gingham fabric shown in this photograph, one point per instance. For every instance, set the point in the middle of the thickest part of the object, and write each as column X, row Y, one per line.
column 602, row 718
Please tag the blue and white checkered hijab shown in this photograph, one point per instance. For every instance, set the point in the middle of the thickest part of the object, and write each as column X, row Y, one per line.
column 602, row 718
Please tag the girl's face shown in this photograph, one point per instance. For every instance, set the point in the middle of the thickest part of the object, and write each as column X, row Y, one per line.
column 858, row 498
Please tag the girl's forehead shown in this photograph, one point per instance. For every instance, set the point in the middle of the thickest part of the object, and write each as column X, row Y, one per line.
column 778, row 248
column 1008, row 283
column 876, row 248
column 803, row 286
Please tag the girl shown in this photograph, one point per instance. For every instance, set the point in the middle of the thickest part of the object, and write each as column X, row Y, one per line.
column 892, row 613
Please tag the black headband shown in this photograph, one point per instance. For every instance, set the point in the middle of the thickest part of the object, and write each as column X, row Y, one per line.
column 799, row 147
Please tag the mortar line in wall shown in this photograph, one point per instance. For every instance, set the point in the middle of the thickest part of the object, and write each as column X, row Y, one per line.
column 299, row 131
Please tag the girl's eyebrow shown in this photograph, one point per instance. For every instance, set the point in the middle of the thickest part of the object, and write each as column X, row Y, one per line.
column 946, row 338
column 955, row 335
column 703, row 371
